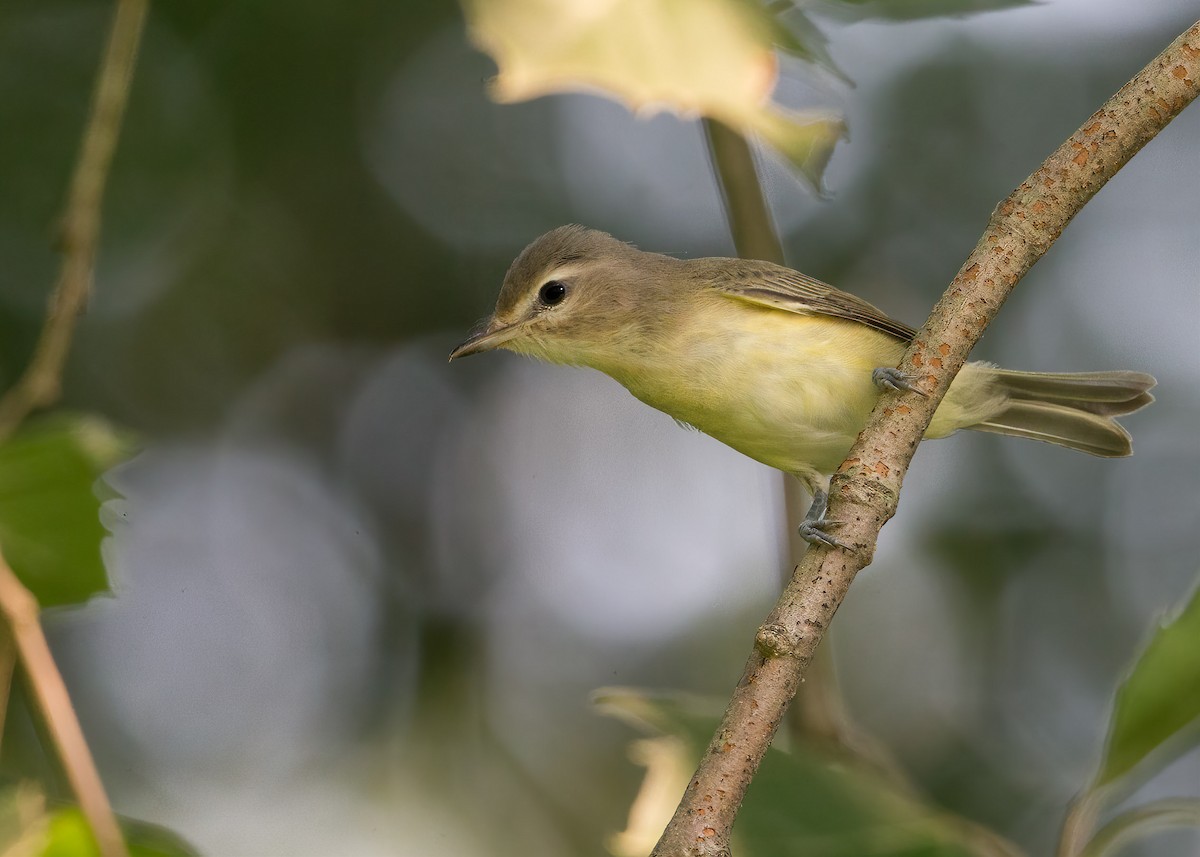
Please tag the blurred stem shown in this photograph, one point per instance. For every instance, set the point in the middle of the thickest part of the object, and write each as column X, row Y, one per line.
column 8, row 660
column 745, row 206
column 49, row 695
column 41, row 383
column 865, row 490
column 1172, row 812
column 1080, row 822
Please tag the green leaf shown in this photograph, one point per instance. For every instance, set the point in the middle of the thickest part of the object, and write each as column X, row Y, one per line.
column 904, row 10
column 1157, row 708
column 70, row 836
column 801, row 803
column 154, row 840
column 23, row 820
column 50, row 529
column 796, row 34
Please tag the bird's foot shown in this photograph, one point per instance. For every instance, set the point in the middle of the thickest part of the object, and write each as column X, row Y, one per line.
column 812, row 528
column 888, row 378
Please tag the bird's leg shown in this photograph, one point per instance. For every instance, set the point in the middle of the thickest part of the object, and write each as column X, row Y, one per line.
column 812, row 528
column 889, row 378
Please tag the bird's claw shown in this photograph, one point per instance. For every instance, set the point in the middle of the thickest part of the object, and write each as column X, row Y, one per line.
column 889, row 378
column 814, row 533
column 812, row 528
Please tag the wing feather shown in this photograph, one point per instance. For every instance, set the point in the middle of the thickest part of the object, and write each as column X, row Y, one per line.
column 782, row 288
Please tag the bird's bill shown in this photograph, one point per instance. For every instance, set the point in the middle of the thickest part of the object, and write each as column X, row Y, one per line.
column 485, row 340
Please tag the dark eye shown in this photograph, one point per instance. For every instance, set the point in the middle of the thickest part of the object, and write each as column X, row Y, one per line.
column 552, row 293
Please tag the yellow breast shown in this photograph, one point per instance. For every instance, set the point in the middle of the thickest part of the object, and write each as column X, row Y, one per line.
column 789, row 390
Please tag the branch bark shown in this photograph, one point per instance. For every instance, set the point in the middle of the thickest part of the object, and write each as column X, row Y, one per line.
column 865, row 490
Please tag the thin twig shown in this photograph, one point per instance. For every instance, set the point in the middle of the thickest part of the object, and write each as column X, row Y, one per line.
column 865, row 490
column 20, row 613
column 41, row 383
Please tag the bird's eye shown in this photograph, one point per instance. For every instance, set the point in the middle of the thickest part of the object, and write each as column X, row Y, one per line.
column 552, row 293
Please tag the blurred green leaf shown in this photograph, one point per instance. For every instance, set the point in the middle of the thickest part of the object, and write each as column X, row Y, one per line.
column 154, row 840
column 70, row 836
column 903, row 10
column 27, row 829
column 796, row 34
column 802, row 802
column 1159, row 703
column 1140, row 822
column 711, row 58
column 50, row 528
column 23, row 820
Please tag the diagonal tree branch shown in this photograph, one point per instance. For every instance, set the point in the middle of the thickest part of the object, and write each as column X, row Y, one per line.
column 865, row 491
column 819, row 713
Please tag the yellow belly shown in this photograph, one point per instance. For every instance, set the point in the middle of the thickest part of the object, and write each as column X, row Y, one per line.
column 791, row 391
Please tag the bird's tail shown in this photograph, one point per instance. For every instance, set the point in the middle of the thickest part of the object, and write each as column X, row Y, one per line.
column 1075, row 410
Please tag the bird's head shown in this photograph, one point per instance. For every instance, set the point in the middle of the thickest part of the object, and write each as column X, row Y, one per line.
column 576, row 295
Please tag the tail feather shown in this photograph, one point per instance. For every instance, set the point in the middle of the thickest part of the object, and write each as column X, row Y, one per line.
column 1071, row 410
column 1109, row 394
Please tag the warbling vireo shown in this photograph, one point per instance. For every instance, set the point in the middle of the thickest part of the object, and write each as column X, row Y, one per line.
column 777, row 365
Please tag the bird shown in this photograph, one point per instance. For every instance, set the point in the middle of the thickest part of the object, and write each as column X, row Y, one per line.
column 775, row 364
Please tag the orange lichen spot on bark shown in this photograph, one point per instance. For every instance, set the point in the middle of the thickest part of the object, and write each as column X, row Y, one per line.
column 708, row 831
column 881, row 468
column 1179, row 72
column 918, row 360
column 944, row 349
column 935, row 362
column 1081, row 154
column 903, row 409
column 848, row 464
column 971, row 273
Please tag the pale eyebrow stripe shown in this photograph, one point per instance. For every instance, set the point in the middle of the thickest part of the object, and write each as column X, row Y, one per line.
column 561, row 272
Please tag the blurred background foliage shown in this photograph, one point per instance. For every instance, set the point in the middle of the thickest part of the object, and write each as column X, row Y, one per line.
column 361, row 598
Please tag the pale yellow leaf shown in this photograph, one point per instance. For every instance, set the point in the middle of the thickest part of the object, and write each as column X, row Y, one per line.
column 712, row 58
